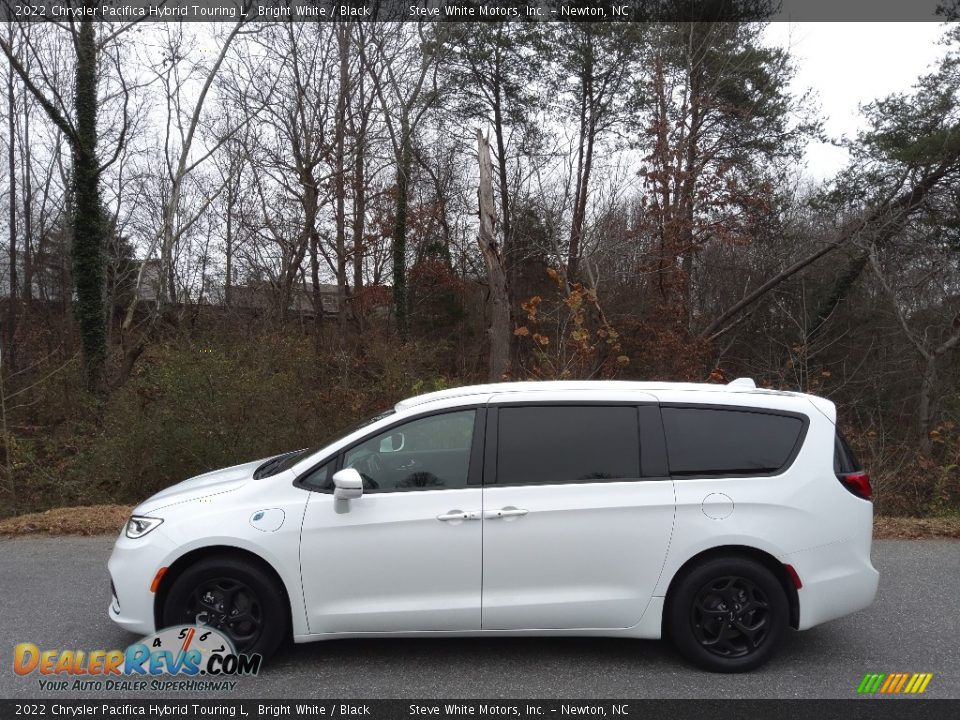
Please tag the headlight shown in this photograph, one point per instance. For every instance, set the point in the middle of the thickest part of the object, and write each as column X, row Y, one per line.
column 138, row 526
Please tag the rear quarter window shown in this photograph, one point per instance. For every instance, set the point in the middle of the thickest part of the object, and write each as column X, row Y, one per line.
column 844, row 459
column 708, row 441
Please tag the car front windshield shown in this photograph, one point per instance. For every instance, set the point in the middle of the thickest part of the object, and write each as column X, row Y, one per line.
column 279, row 463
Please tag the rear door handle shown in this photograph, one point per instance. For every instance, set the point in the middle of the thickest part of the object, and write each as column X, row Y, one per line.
column 458, row 515
column 505, row 512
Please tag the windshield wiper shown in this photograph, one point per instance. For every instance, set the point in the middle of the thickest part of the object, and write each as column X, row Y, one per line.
column 266, row 469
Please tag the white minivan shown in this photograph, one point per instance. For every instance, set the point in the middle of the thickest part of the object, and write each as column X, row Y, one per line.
column 717, row 515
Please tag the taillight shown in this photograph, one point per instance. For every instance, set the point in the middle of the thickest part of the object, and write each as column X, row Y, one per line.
column 858, row 483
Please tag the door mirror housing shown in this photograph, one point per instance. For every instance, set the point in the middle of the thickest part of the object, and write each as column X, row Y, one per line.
column 347, row 484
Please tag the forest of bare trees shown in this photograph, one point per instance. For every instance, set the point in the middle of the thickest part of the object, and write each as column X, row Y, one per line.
column 226, row 240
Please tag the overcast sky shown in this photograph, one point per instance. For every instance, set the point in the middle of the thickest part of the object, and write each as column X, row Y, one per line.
column 848, row 64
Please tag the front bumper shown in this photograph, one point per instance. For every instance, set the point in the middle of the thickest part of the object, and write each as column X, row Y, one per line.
column 133, row 566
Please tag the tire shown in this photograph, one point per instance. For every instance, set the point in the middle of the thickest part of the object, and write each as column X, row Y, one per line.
column 218, row 587
column 727, row 615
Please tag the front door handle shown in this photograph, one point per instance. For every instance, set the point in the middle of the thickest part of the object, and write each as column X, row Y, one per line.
column 505, row 512
column 458, row 515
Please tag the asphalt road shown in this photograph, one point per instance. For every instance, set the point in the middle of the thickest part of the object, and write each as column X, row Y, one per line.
column 54, row 593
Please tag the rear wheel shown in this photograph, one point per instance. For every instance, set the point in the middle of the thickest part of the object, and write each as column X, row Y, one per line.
column 728, row 615
column 237, row 598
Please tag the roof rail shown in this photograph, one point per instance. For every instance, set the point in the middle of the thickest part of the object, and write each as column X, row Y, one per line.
column 743, row 382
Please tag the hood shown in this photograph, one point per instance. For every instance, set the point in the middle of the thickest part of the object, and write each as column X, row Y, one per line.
column 211, row 483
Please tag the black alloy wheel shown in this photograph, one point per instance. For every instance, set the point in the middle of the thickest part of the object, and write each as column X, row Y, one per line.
column 229, row 606
column 234, row 596
column 727, row 614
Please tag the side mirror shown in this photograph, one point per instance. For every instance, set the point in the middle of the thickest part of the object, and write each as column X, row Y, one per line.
column 393, row 443
column 347, row 484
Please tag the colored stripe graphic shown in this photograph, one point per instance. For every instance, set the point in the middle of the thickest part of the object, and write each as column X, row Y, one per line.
column 897, row 685
column 890, row 682
column 871, row 683
column 894, row 683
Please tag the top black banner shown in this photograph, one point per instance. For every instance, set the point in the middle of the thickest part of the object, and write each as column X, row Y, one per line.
column 480, row 10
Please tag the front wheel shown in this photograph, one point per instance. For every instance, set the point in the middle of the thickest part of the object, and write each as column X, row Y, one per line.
column 728, row 615
column 234, row 597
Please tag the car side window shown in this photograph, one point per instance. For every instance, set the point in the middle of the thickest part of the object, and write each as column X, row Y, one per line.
column 704, row 441
column 430, row 453
column 844, row 459
column 320, row 478
column 567, row 444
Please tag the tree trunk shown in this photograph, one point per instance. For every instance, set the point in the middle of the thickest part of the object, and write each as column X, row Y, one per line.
column 359, row 210
column 228, row 249
column 359, row 132
column 400, row 231
column 576, row 223
column 838, row 293
column 310, row 201
column 509, row 251
column 886, row 218
column 686, row 199
column 499, row 306
column 88, row 224
column 315, row 281
column 506, row 219
column 928, row 382
column 27, row 213
column 662, row 187
column 584, row 168
column 10, row 326
column 343, row 30
column 84, row 198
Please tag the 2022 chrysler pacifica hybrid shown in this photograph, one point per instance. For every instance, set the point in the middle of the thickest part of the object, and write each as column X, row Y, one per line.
column 720, row 516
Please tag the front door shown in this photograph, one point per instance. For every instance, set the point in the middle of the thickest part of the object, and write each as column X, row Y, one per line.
column 406, row 556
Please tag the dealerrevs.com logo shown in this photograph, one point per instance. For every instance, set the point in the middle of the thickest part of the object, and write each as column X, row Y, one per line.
column 182, row 658
column 894, row 683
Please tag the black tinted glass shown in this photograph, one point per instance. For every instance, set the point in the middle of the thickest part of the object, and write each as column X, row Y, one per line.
column 705, row 441
column 320, row 478
column 844, row 460
column 551, row 444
